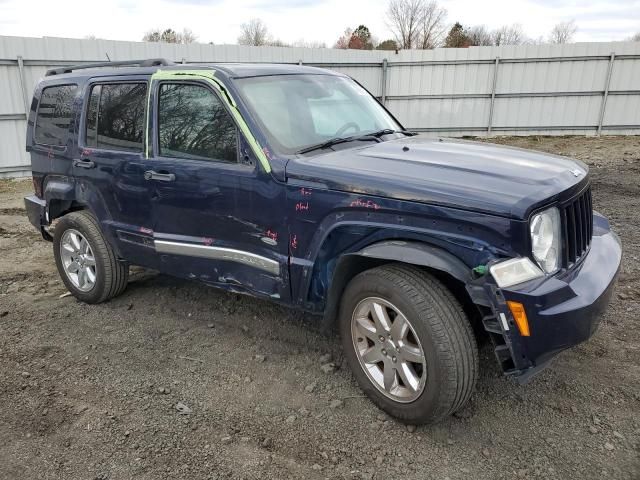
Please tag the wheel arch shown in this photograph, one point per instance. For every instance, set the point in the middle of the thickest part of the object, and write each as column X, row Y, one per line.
column 65, row 195
column 60, row 195
column 449, row 269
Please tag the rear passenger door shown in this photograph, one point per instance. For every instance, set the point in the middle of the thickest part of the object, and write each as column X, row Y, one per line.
column 109, row 164
column 215, row 211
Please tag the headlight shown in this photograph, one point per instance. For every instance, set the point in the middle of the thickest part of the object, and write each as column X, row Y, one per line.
column 545, row 239
column 514, row 271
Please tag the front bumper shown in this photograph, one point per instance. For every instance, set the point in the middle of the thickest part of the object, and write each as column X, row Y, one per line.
column 562, row 310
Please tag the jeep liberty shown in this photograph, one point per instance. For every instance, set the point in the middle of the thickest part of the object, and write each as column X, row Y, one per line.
column 294, row 184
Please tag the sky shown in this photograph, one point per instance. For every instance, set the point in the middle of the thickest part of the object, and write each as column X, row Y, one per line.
column 219, row 21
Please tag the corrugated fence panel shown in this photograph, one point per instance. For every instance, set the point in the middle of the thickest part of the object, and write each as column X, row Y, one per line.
column 519, row 90
column 441, row 79
column 12, row 150
column 556, row 112
column 448, row 113
column 622, row 110
column 625, row 74
column 11, row 99
column 576, row 76
column 370, row 78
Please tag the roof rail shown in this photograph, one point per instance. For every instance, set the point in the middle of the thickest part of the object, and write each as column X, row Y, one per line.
column 152, row 62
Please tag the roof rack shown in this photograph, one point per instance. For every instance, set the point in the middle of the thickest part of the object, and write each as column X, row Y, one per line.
column 152, row 62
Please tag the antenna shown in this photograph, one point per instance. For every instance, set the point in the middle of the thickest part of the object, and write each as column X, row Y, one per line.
column 107, row 56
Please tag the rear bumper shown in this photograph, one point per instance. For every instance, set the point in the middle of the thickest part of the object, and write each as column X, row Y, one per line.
column 562, row 310
column 37, row 213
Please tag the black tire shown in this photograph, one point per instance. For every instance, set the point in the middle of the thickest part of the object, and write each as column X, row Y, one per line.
column 111, row 275
column 440, row 325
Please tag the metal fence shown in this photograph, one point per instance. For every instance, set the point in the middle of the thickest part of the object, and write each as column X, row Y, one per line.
column 588, row 88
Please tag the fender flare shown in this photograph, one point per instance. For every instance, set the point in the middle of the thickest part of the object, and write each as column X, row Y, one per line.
column 59, row 193
column 409, row 252
column 416, row 253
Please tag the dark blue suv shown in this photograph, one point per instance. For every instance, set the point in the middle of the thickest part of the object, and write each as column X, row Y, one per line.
column 294, row 184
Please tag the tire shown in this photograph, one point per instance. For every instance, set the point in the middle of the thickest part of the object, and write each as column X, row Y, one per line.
column 438, row 338
column 79, row 262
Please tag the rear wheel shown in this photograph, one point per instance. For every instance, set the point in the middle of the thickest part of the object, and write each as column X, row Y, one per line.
column 408, row 343
column 86, row 262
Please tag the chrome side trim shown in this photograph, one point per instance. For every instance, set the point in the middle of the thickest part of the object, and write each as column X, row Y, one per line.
column 218, row 253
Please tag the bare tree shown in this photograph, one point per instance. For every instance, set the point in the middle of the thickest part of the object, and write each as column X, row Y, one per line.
column 254, row 32
column 416, row 23
column 635, row 38
column 276, row 42
column 404, row 19
column 480, row 36
column 563, row 32
column 432, row 27
column 188, row 36
column 509, row 35
column 308, row 43
column 169, row 36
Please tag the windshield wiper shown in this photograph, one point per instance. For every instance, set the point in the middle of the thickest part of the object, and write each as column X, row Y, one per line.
column 327, row 144
column 388, row 131
column 366, row 136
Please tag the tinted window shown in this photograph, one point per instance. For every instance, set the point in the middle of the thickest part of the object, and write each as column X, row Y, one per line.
column 115, row 117
column 54, row 115
column 194, row 124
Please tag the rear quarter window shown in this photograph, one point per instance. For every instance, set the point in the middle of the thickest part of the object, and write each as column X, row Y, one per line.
column 115, row 116
column 55, row 113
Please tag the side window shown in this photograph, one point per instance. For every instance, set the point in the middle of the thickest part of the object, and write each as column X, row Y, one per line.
column 115, row 117
column 55, row 113
column 193, row 124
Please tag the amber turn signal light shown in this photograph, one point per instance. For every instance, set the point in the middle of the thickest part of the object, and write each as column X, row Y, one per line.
column 520, row 316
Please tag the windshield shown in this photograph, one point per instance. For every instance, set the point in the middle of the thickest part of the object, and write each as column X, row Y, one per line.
column 297, row 111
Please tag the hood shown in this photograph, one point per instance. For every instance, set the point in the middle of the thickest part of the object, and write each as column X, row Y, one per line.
column 462, row 174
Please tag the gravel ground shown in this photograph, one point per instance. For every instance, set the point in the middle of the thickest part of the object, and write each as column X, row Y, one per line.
column 177, row 380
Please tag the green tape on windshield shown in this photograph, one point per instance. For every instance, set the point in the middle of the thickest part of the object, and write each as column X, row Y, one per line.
column 209, row 77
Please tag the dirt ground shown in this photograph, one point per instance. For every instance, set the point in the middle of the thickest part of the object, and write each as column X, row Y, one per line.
column 90, row 392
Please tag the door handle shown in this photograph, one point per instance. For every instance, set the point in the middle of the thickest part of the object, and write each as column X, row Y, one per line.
column 84, row 163
column 162, row 177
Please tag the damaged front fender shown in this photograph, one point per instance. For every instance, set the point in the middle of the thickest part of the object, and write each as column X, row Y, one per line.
column 415, row 253
column 411, row 253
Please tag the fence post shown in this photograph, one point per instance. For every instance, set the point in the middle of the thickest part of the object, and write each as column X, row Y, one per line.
column 493, row 94
column 383, row 91
column 603, row 106
column 23, row 88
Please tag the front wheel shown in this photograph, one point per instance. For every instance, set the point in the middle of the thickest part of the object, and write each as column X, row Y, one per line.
column 86, row 262
column 408, row 343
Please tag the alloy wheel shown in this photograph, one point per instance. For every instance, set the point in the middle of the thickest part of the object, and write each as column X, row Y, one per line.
column 388, row 349
column 78, row 260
